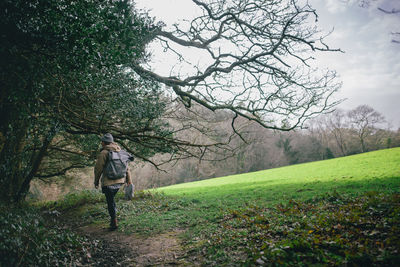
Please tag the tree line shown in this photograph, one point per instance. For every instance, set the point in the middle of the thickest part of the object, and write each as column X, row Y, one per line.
column 337, row 134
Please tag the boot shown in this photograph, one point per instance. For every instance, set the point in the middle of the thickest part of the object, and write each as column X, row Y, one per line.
column 113, row 225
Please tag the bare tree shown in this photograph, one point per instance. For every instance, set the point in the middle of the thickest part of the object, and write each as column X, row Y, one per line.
column 338, row 127
column 256, row 61
column 364, row 120
column 317, row 129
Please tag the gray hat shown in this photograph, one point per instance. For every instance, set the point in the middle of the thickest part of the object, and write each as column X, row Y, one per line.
column 107, row 138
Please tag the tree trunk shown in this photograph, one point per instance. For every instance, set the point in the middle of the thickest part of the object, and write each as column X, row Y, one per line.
column 24, row 188
column 19, row 160
column 11, row 158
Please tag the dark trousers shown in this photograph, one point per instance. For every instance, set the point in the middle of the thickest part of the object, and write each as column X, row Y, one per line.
column 110, row 192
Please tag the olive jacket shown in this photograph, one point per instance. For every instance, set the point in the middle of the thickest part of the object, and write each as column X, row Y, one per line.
column 101, row 163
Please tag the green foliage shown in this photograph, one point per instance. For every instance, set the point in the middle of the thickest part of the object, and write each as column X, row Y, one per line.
column 291, row 155
column 66, row 77
column 27, row 240
column 328, row 154
column 74, row 200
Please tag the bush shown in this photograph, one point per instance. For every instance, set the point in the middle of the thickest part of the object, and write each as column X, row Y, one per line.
column 26, row 240
column 76, row 199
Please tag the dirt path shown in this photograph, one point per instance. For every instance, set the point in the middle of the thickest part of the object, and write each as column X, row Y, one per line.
column 120, row 249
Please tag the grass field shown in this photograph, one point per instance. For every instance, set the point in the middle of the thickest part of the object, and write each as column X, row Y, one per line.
column 374, row 171
column 232, row 219
column 343, row 211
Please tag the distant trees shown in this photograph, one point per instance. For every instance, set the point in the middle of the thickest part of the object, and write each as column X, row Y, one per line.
column 338, row 126
column 336, row 134
column 358, row 130
column 328, row 136
column 364, row 120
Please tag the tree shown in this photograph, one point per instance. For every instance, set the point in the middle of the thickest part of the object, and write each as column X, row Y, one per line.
column 72, row 70
column 363, row 120
column 256, row 61
column 338, row 127
column 61, row 77
column 317, row 129
column 291, row 154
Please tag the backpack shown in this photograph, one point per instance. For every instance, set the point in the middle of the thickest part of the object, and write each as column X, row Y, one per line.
column 117, row 164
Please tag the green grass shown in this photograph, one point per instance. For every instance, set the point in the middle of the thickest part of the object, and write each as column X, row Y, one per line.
column 342, row 211
column 379, row 170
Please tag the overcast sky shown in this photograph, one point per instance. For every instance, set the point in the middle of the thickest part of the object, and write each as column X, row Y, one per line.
column 370, row 65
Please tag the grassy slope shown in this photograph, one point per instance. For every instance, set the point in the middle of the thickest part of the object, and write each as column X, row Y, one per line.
column 240, row 219
column 202, row 204
column 379, row 170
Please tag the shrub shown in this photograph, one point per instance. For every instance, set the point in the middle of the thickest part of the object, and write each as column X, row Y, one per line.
column 27, row 240
column 75, row 199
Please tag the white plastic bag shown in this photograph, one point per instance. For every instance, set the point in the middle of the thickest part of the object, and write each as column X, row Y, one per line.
column 129, row 191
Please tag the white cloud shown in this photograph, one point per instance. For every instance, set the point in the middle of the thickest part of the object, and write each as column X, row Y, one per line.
column 370, row 66
column 169, row 11
column 335, row 6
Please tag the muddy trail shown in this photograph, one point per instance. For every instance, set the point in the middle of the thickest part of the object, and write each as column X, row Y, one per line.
column 116, row 248
column 120, row 249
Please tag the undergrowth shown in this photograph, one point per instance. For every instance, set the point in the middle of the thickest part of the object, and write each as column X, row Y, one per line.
column 26, row 239
column 73, row 200
column 335, row 230
column 332, row 229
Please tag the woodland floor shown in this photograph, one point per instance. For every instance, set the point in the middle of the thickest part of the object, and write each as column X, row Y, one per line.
column 115, row 248
column 120, row 249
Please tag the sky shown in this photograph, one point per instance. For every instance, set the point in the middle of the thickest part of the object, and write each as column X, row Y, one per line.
column 369, row 67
